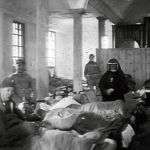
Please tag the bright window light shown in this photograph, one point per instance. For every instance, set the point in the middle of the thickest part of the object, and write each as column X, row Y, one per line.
column 18, row 41
column 51, row 48
column 105, row 42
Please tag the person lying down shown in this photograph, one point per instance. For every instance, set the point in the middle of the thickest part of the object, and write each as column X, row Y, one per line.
column 90, row 126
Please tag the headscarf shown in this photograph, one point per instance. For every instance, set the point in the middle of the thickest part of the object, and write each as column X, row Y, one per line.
column 119, row 70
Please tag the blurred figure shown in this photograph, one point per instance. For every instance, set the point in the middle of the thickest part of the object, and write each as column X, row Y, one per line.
column 92, row 73
column 12, row 130
column 8, row 106
column 23, row 84
column 113, row 84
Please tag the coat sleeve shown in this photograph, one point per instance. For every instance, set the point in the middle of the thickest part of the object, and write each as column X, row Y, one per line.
column 122, row 86
column 86, row 70
column 102, row 84
column 126, row 87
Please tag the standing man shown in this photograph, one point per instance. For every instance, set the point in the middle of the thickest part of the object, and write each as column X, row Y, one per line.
column 24, row 84
column 92, row 73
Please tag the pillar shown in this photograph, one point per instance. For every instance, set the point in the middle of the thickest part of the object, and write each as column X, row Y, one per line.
column 77, row 51
column 42, row 81
column 7, row 45
column 101, row 27
column 1, row 45
column 113, row 37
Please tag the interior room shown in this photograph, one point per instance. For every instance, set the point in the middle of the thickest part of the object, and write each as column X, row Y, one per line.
column 75, row 74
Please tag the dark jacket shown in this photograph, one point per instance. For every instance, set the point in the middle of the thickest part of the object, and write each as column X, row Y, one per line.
column 92, row 73
column 115, row 80
column 12, row 130
column 91, row 68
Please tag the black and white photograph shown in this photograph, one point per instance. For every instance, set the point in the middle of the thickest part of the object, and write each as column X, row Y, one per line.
column 74, row 74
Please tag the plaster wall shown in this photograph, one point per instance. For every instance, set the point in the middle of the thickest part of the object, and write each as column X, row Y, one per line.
column 64, row 43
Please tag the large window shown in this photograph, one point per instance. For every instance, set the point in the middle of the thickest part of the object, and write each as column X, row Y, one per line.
column 51, row 48
column 18, row 40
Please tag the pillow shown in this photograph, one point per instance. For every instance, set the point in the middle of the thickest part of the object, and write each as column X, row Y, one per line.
column 62, row 118
column 109, row 111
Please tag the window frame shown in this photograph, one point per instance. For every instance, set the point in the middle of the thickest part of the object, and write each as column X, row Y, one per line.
column 22, row 45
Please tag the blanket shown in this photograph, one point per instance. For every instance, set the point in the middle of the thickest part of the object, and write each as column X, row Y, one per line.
column 107, row 110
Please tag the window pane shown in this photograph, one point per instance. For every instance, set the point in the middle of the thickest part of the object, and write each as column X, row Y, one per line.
column 53, row 36
column 51, row 48
column 15, row 31
column 14, row 40
column 20, row 52
column 20, row 32
column 15, row 51
column 20, row 26
column 20, row 41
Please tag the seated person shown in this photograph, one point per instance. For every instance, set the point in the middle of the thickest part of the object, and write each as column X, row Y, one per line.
column 12, row 131
column 113, row 84
column 8, row 106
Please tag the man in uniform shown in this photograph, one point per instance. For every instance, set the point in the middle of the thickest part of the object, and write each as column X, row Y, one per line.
column 24, row 84
column 92, row 73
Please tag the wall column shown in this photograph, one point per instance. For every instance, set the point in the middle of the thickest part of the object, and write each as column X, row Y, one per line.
column 77, row 51
column 42, row 81
column 101, row 27
column 113, row 36
column 1, row 45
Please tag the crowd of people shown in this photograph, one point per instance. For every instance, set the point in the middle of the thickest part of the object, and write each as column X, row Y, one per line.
column 19, row 88
column 112, row 85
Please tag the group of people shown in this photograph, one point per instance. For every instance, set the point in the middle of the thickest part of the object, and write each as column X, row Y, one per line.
column 21, row 82
column 17, row 88
column 112, row 83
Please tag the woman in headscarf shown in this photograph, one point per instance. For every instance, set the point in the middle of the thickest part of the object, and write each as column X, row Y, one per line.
column 113, row 84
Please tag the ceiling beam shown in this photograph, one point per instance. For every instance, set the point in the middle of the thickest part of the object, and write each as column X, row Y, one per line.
column 104, row 9
column 78, row 4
